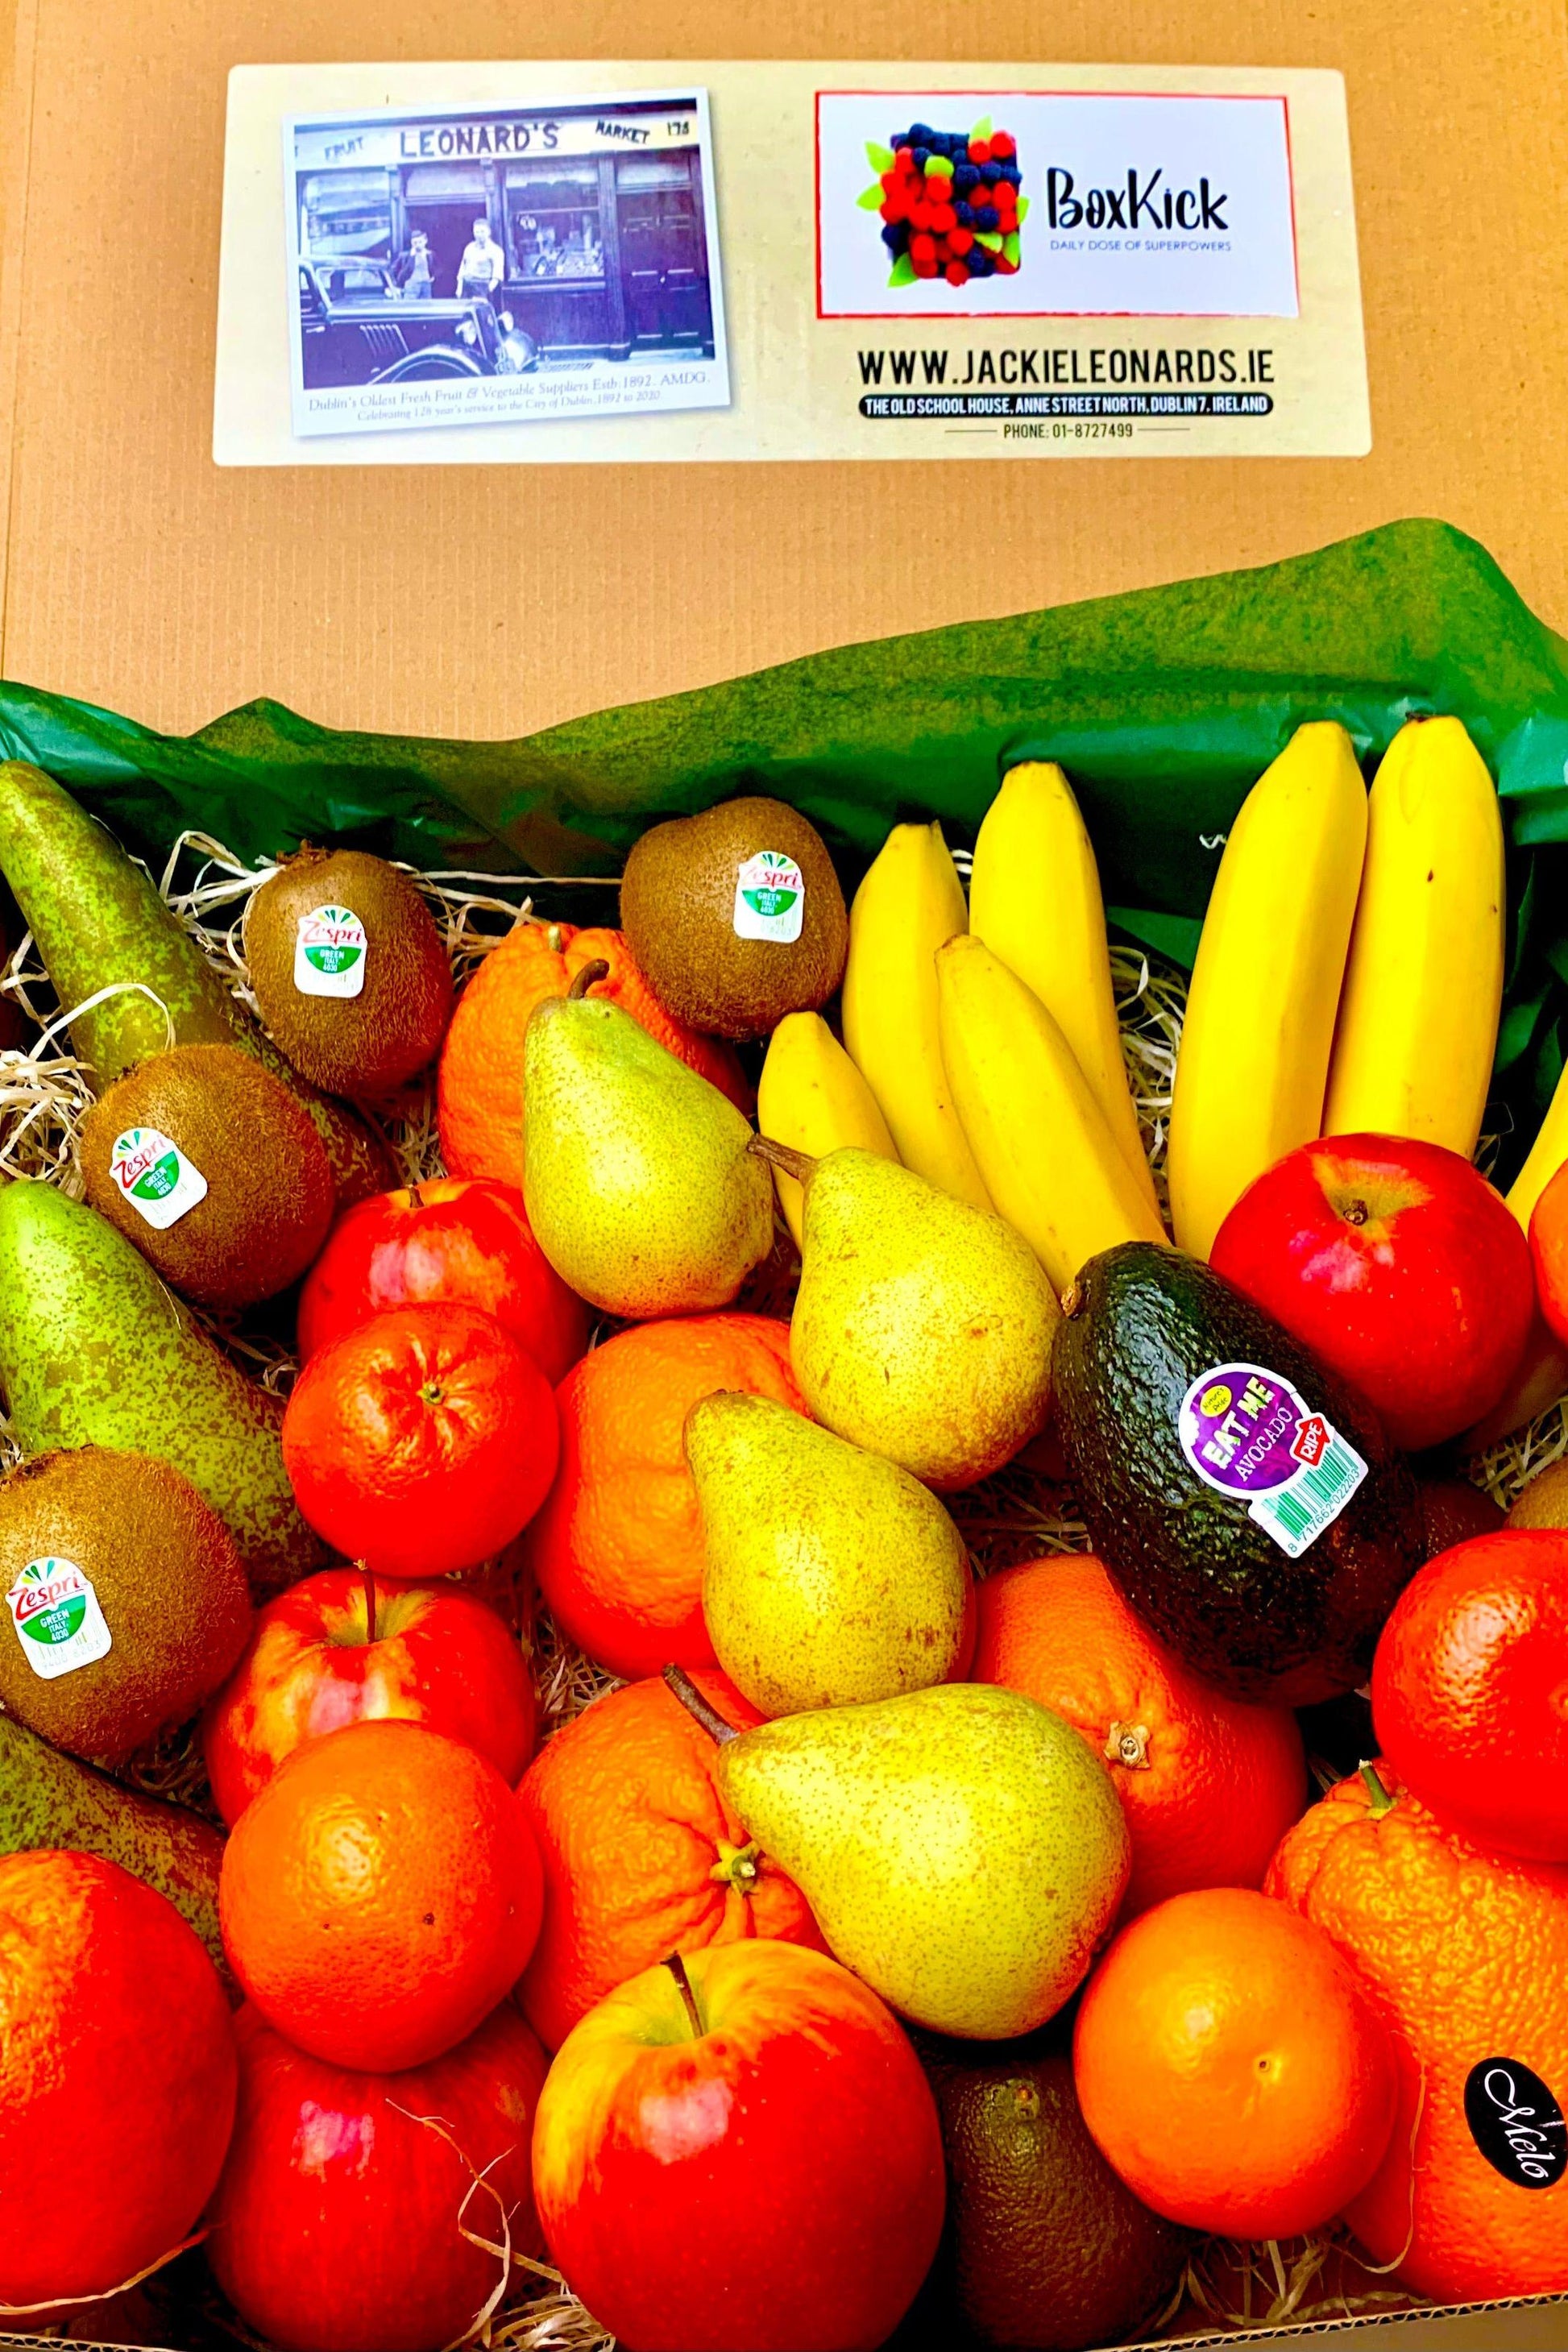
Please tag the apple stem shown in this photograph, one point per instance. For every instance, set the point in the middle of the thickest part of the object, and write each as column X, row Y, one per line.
column 416, row 1197
column 677, row 1967
column 367, row 1577
column 589, row 977
column 692, row 1700
column 798, row 1164
column 1381, row 1802
column 1354, row 1212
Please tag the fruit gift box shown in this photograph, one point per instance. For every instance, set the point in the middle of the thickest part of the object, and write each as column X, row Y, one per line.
column 1123, row 1887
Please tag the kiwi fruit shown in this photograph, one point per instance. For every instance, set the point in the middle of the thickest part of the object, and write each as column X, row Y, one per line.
column 136, row 1556
column 722, row 946
column 269, row 1193
column 356, row 1014
column 1044, row 2245
column 1543, row 1503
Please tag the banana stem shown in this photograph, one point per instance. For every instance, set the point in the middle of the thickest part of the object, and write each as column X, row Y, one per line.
column 584, row 980
column 798, row 1164
column 692, row 1700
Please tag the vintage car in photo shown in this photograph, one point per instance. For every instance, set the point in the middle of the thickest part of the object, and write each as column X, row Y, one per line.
column 357, row 326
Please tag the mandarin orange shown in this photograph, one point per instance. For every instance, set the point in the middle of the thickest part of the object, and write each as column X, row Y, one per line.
column 642, row 1856
column 117, row 2078
column 480, row 1082
column 1465, row 1954
column 380, row 1895
column 1209, row 1785
column 1231, row 2068
column 617, row 1546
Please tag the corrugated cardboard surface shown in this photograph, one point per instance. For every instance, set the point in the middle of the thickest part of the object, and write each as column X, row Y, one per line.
column 488, row 601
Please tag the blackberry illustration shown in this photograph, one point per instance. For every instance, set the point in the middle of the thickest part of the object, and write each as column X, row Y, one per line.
column 948, row 202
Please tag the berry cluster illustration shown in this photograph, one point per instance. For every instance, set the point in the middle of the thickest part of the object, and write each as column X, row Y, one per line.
column 948, row 202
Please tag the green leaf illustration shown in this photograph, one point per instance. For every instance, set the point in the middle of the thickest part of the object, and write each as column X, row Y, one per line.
column 982, row 130
column 990, row 239
column 870, row 199
column 1010, row 247
column 880, row 158
column 1022, row 209
column 903, row 271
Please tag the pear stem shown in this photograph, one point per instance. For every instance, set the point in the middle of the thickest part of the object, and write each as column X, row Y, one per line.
column 586, row 979
column 692, row 1700
column 798, row 1164
column 677, row 1967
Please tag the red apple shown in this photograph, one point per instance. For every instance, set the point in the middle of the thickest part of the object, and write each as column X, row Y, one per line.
column 439, row 1655
column 739, row 2147
column 338, row 2224
column 1398, row 1266
column 449, row 1238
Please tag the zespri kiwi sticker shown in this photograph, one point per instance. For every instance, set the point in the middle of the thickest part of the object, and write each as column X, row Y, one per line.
column 770, row 898
column 329, row 952
column 154, row 1175
column 57, row 1618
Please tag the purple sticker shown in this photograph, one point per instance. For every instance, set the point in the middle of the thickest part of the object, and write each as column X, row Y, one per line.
column 1246, row 1431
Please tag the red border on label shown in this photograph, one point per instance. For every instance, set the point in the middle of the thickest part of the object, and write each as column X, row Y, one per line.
column 979, row 317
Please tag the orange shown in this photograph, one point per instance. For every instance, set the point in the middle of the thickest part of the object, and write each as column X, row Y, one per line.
column 617, row 1548
column 1549, row 1253
column 479, row 1081
column 642, row 1856
column 380, row 1895
column 1231, row 2068
column 1209, row 1786
column 1465, row 1954
column 117, row 2077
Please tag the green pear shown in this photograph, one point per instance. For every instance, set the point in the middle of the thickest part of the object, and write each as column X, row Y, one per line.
column 95, row 1352
column 830, row 1575
column 639, row 1186
column 963, row 1849
column 922, row 1327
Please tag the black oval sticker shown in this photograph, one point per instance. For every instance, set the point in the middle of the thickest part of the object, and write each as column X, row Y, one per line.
column 1516, row 2122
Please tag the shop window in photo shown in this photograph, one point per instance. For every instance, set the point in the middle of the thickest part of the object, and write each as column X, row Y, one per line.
column 343, row 213
column 553, row 212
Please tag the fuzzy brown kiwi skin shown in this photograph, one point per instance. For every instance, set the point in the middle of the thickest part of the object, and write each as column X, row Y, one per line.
column 168, row 1579
column 364, row 1046
column 677, row 904
column 270, row 1190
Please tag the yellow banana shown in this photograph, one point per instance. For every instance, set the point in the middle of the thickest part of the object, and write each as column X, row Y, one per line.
column 1540, row 1376
column 811, row 1097
column 910, row 902
column 1254, row 1056
column 1034, row 898
column 1049, row 1160
column 1547, row 1154
column 1419, row 1020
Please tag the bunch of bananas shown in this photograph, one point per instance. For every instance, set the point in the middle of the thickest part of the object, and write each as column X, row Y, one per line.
column 1348, row 979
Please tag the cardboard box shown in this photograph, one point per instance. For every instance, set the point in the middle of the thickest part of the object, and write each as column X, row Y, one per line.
column 489, row 601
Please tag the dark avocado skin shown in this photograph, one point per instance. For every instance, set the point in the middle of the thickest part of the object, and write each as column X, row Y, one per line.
column 1145, row 1324
column 1043, row 2246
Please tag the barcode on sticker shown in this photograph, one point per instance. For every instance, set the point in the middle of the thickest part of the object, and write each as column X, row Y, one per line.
column 1296, row 1515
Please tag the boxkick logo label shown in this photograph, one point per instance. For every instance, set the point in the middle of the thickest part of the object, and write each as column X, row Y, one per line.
column 1143, row 201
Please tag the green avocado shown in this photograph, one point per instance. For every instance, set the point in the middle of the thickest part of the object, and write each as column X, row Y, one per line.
column 1044, row 2245
column 1158, row 1365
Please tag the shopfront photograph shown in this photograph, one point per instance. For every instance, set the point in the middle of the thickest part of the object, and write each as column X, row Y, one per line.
column 589, row 226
